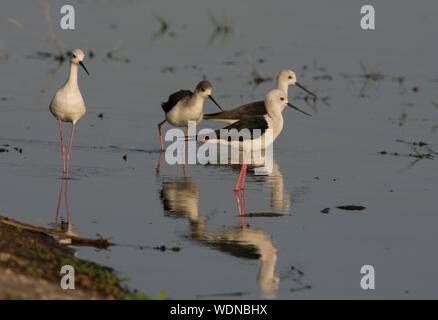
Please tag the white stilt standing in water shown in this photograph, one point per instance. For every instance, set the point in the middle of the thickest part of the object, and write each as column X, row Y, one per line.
column 275, row 102
column 285, row 78
column 68, row 105
column 184, row 106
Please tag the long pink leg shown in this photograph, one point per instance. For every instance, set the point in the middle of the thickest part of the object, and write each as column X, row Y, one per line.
column 242, row 173
column 236, row 187
column 159, row 162
column 185, row 171
column 69, row 149
column 241, row 207
column 159, row 131
column 62, row 149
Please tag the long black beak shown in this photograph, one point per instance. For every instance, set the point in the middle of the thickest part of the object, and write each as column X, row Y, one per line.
column 211, row 98
column 83, row 66
column 300, row 86
column 293, row 107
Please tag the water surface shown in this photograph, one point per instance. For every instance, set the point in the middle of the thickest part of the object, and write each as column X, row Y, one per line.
column 284, row 247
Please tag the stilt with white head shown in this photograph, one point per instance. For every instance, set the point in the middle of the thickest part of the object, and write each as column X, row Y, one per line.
column 68, row 104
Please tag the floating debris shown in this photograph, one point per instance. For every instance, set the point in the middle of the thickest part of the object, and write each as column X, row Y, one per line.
column 352, row 208
column 371, row 75
column 224, row 28
column 306, row 287
column 163, row 23
column 221, row 27
column 170, row 69
column 403, row 118
column 161, row 247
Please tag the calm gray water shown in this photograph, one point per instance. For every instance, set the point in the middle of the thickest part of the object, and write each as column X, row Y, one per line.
column 329, row 160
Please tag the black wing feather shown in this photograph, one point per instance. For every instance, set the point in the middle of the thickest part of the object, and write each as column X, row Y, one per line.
column 247, row 110
column 174, row 98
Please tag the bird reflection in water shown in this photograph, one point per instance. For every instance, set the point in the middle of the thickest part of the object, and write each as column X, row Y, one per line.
column 180, row 198
column 273, row 178
column 65, row 227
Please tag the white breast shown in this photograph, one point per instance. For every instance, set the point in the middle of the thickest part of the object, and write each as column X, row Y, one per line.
column 68, row 104
column 185, row 111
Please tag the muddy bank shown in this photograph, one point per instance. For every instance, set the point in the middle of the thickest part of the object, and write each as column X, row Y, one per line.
column 30, row 263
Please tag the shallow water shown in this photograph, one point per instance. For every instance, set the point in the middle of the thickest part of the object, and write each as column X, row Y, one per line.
column 286, row 248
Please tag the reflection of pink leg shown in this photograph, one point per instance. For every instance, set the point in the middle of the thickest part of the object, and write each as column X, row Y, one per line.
column 236, row 194
column 59, row 201
column 69, row 148
column 242, row 194
column 241, row 206
column 242, row 218
column 159, row 131
column 62, row 149
column 66, row 203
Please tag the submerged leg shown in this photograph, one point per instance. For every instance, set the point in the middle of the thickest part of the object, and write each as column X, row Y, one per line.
column 241, row 206
column 159, row 131
column 159, row 162
column 236, row 194
column 59, row 201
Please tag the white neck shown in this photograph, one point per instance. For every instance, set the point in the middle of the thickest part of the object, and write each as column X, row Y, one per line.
column 273, row 110
column 282, row 85
column 73, row 77
column 197, row 101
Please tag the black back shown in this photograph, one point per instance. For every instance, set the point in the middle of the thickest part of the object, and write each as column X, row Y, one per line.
column 250, row 123
column 174, row 98
column 251, row 109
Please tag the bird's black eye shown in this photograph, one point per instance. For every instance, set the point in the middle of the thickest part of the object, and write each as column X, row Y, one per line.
column 202, row 89
column 290, row 77
column 282, row 99
column 74, row 56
